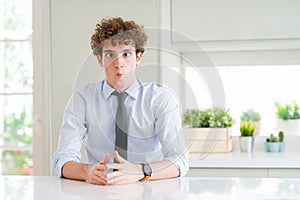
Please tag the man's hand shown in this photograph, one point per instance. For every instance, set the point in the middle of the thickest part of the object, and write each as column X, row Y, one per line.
column 127, row 172
column 96, row 175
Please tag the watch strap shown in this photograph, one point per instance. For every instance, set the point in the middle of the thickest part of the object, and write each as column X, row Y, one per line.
column 146, row 176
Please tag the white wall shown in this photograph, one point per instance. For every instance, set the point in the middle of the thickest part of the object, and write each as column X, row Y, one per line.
column 237, row 32
column 216, row 20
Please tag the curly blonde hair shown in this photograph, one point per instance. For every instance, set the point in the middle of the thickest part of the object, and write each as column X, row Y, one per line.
column 118, row 31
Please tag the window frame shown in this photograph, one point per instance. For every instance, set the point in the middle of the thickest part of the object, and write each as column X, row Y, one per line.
column 42, row 104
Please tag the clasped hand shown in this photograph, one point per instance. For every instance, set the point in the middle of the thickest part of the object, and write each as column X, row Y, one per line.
column 126, row 172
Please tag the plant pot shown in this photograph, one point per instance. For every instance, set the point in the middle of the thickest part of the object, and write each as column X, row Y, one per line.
column 289, row 127
column 208, row 140
column 246, row 144
column 282, row 147
column 274, row 146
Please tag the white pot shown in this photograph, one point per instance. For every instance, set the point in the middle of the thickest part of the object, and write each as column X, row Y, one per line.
column 246, row 144
column 289, row 127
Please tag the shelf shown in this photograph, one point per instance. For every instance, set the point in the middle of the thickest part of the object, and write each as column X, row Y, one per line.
column 258, row 159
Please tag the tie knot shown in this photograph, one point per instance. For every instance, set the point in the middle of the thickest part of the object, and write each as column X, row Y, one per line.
column 121, row 96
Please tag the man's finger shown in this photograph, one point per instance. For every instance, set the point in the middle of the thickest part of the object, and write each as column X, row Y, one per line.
column 106, row 159
column 118, row 158
column 115, row 166
column 100, row 179
column 101, row 166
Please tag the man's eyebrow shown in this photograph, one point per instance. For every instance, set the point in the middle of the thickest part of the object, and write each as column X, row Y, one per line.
column 129, row 49
column 108, row 51
column 124, row 50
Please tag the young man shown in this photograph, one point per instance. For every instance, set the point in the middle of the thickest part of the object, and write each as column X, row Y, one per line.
column 151, row 144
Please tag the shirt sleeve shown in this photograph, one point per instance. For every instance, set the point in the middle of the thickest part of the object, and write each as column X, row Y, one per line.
column 72, row 133
column 168, row 127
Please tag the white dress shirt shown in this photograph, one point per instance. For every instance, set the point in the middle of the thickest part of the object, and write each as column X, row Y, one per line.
column 154, row 134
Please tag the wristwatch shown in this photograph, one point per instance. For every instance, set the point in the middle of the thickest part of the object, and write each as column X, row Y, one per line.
column 147, row 172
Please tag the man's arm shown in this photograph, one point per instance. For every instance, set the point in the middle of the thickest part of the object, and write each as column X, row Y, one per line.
column 130, row 173
column 91, row 174
column 168, row 129
column 72, row 134
column 163, row 169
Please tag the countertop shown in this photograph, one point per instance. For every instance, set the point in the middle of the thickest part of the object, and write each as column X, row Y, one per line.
column 50, row 187
column 257, row 159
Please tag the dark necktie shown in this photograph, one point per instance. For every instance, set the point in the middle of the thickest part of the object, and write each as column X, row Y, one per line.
column 121, row 125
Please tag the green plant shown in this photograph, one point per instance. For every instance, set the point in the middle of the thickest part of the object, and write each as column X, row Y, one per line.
column 273, row 138
column 247, row 128
column 250, row 115
column 17, row 132
column 288, row 111
column 281, row 136
column 212, row 118
column 18, row 128
column 17, row 162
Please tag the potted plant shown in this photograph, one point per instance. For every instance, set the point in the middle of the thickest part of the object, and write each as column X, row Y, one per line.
column 254, row 116
column 208, row 130
column 288, row 118
column 246, row 139
column 275, row 143
column 208, row 118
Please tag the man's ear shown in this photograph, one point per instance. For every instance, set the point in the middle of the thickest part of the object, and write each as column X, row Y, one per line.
column 99, row 59
column 139, row 58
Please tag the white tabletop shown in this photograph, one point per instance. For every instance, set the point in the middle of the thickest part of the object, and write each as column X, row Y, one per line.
column 54, row 188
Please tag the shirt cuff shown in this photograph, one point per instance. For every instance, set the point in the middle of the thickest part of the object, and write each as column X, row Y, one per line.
column 181, row 163
column 58, row 165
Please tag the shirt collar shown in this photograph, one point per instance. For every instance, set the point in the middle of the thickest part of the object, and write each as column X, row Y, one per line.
column 133, row 90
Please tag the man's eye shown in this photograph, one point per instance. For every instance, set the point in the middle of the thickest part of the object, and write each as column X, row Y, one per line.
column 109, row 55
column 127, row 53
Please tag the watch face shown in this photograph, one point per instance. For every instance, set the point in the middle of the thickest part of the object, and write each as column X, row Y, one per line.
column 147, row 170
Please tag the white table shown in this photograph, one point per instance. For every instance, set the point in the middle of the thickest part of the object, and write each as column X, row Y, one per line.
column 54, row 188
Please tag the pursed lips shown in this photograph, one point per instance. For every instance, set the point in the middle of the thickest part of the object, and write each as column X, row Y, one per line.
column 119, row 74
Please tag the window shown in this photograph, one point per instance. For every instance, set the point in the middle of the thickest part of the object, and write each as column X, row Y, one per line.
column 16, row 79
column 257, row 87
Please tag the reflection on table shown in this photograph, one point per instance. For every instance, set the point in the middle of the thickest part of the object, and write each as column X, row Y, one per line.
column 47, row 187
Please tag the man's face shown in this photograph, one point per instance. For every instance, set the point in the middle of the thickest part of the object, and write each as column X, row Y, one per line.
column 119, row 62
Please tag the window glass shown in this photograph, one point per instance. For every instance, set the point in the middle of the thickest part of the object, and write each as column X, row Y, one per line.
column 17, row 122
column 17, row 19
column 17, row 67
column 245, row 87
column 16, row 79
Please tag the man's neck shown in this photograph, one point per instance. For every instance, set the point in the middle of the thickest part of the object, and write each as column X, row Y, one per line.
column 121, row 87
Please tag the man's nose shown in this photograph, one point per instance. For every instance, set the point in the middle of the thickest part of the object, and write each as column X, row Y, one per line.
column 118, row 62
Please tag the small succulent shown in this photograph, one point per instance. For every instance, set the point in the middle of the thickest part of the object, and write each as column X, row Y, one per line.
column 279, row 138
column 247, row 128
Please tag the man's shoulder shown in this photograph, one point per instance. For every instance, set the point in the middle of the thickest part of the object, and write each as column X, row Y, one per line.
column 153, row 87
column 89, row 89
column 159, row 92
